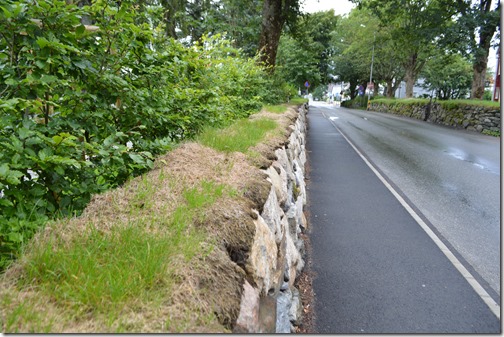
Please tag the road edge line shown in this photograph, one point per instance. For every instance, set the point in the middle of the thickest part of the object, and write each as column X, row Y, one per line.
column 478, row 288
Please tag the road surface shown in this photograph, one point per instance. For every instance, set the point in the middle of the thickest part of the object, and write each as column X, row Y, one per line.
column 377, row 269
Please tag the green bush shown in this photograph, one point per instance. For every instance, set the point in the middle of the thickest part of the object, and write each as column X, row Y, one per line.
column 359, row 102
column 487, row 96
column 82, row 110
column 448, row 104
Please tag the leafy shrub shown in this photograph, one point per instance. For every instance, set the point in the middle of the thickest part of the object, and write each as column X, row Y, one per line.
column 357, row 102
column 84, row 108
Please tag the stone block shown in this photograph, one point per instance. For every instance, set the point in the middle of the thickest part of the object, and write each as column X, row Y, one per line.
column 262, row 260
column 295, row 312
column 267, row 314
column 278, row 185
column 284, row 303
column 272, row 213
column 248, row 318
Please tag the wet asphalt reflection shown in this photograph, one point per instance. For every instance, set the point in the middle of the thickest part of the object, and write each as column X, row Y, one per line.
column 451, row 176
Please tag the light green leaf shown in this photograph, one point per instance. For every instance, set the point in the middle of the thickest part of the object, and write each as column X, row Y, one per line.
column 136, row 158
column 42, row 42
column 40, row 64
column 44, row 153
column 48, row 79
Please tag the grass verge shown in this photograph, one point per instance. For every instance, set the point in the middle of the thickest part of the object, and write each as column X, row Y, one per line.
column 278, row 109
column 298, row 101
column 98, row 274
column 152, row 255
column 239, row 136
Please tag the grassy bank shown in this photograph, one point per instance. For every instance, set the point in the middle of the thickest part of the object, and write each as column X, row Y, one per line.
column 152, row 255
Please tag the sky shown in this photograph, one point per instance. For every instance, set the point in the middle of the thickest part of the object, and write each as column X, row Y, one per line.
column 339, row 6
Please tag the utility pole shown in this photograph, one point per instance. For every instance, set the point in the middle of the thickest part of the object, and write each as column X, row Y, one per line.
column 371, row 74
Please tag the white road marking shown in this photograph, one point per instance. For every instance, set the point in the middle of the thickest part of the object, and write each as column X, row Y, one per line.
column 483, row 294
column 333, row 118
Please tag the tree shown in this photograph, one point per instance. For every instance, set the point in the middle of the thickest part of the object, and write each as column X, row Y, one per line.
column 296, row 64
column 449, row 75
column 471, row 33
column 275, row 14
column 315, row 34
column 172, row 14
column 415, row 26
column 183, row 18
column 367, row 33
column 387, row 66
column 351, row 60
column 240, row 20
column 305, row 54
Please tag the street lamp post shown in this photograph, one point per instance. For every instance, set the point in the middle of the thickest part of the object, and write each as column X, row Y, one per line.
column 371, row 73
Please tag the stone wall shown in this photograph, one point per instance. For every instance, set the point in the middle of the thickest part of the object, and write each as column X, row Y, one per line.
column 270, row 301
column 470, row 117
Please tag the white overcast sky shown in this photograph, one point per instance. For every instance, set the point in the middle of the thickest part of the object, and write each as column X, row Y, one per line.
column 339, row 6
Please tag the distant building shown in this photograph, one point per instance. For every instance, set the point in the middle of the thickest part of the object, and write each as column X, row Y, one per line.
column 418, row 90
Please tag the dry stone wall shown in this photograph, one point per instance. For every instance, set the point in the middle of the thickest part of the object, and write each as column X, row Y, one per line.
column 270, row 302
column 474, row 118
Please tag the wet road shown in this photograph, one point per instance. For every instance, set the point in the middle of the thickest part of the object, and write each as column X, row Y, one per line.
column 452, row 177
column 377, row 270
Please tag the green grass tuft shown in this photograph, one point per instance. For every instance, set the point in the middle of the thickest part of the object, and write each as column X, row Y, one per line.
column 278, row 109
column 298, row 101
column 100, row 273
column 238, row 137
column 491, row 133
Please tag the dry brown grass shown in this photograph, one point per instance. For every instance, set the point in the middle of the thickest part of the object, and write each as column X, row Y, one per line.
column 205, row 296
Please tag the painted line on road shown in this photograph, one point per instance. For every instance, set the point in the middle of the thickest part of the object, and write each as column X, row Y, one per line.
column 483, row 294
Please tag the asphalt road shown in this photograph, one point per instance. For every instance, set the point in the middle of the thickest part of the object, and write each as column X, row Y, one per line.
column 377, row 271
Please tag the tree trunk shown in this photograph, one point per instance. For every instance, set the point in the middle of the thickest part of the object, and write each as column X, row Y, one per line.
column 390, row 89
column 273, row 18
column 271, row 29
column 171, row 8
column 376, row 88
column 352, row 89
column 410, row 79
column 486, row 33
column 396, row 85
column 411, row 69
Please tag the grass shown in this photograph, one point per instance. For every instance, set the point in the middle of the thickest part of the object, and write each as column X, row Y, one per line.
column 136, row 269
column 281, row 108
column 100, row 273
column 26, row 311
column 298, row 100
column 278, row 109
column 491, row 133
column 239, row 136
column 475, row 102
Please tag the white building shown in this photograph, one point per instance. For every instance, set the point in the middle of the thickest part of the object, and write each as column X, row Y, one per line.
column 418, row 90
